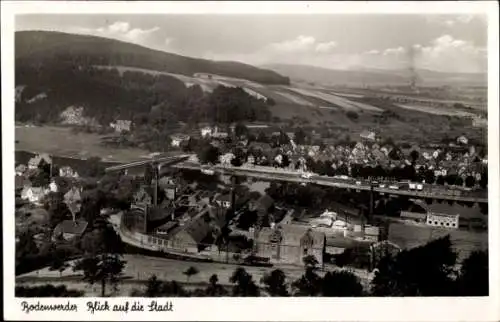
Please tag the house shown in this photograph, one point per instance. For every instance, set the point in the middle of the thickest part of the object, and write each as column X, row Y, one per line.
column 70, row 229
column 177, row 139
column 368, row 135
column 223, row 200
column 462, row 140
column 142, row 197
column 73, row 195
column 226, row 159
column 53, row 186
column 443, row 220
column 21, row 169
column 199, row 232
column 73, row 115
column 121, row 125
column 35, row 162
column 34, row 195
column 67, row 172
column 206, row 131
column 289, row 244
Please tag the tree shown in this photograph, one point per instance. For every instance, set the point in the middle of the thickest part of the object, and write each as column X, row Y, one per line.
column 209, row 154
column 341, row 284
column 473, row 277
column 395, row 154
column 93, row 168
column 240, row 130
column 275, row 283
column 300, row 136
column 57, row 209
column 244, row 284
column 470, row 181
column 484, row 179
column 26, row 245
column 214, row 288
column 309, row 284
column 190, row 272
column 422, row 271
column 261, row 137
column 352, row 115
column 102, row 259
column 148, row 174
column 414, row 155
column 153, row 287
column 58, row 263
column 103, row 268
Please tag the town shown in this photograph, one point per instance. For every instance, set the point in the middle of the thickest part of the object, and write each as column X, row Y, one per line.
column 294, row 165
column 196, row 206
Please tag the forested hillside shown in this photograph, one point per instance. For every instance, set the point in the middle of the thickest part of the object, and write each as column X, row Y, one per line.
column 107, row 95
column 35, row 48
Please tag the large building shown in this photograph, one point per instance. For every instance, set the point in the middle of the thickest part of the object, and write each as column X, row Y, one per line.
column 443, row 220
column 289, row 244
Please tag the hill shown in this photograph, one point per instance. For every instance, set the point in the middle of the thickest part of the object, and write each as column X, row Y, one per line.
column 375, row 77
column 47, row 47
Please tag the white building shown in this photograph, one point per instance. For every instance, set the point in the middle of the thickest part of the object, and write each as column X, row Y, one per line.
column 20, row 169
column 121, row 125
column 67, row 172
column 34, row 162
column 443, row 220
column 34, row 195
column 53, row 186
column 177, row 139
column 462, row 140
column 206, row 131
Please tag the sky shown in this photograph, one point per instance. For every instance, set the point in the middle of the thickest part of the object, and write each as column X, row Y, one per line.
column 447, row 43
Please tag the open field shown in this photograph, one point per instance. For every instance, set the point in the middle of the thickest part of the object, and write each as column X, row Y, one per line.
column 463, row 242
column 436, row 110
column 62, row 141
column 336, row 100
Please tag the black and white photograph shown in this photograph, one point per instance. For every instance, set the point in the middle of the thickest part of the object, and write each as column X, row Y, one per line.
column 166, row 155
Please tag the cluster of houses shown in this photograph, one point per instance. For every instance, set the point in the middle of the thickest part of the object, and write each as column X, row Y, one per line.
column 463, row 161
column 36, row 196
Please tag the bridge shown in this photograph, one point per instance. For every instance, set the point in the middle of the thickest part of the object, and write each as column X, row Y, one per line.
column 161, row 161
column 268, row 173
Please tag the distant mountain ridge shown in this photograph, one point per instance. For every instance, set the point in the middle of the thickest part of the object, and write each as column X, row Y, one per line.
column 47, row 47
column 360, row 76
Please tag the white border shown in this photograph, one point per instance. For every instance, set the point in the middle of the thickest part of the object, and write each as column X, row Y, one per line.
column 262, row 309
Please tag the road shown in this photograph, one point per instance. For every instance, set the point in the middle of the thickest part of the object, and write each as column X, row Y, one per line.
column 269, row 173
column 140, row 267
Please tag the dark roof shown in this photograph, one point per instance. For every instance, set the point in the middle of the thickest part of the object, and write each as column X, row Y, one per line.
column 71, row 227
column 292, row 235
column 413, row 215
column 264, row 202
